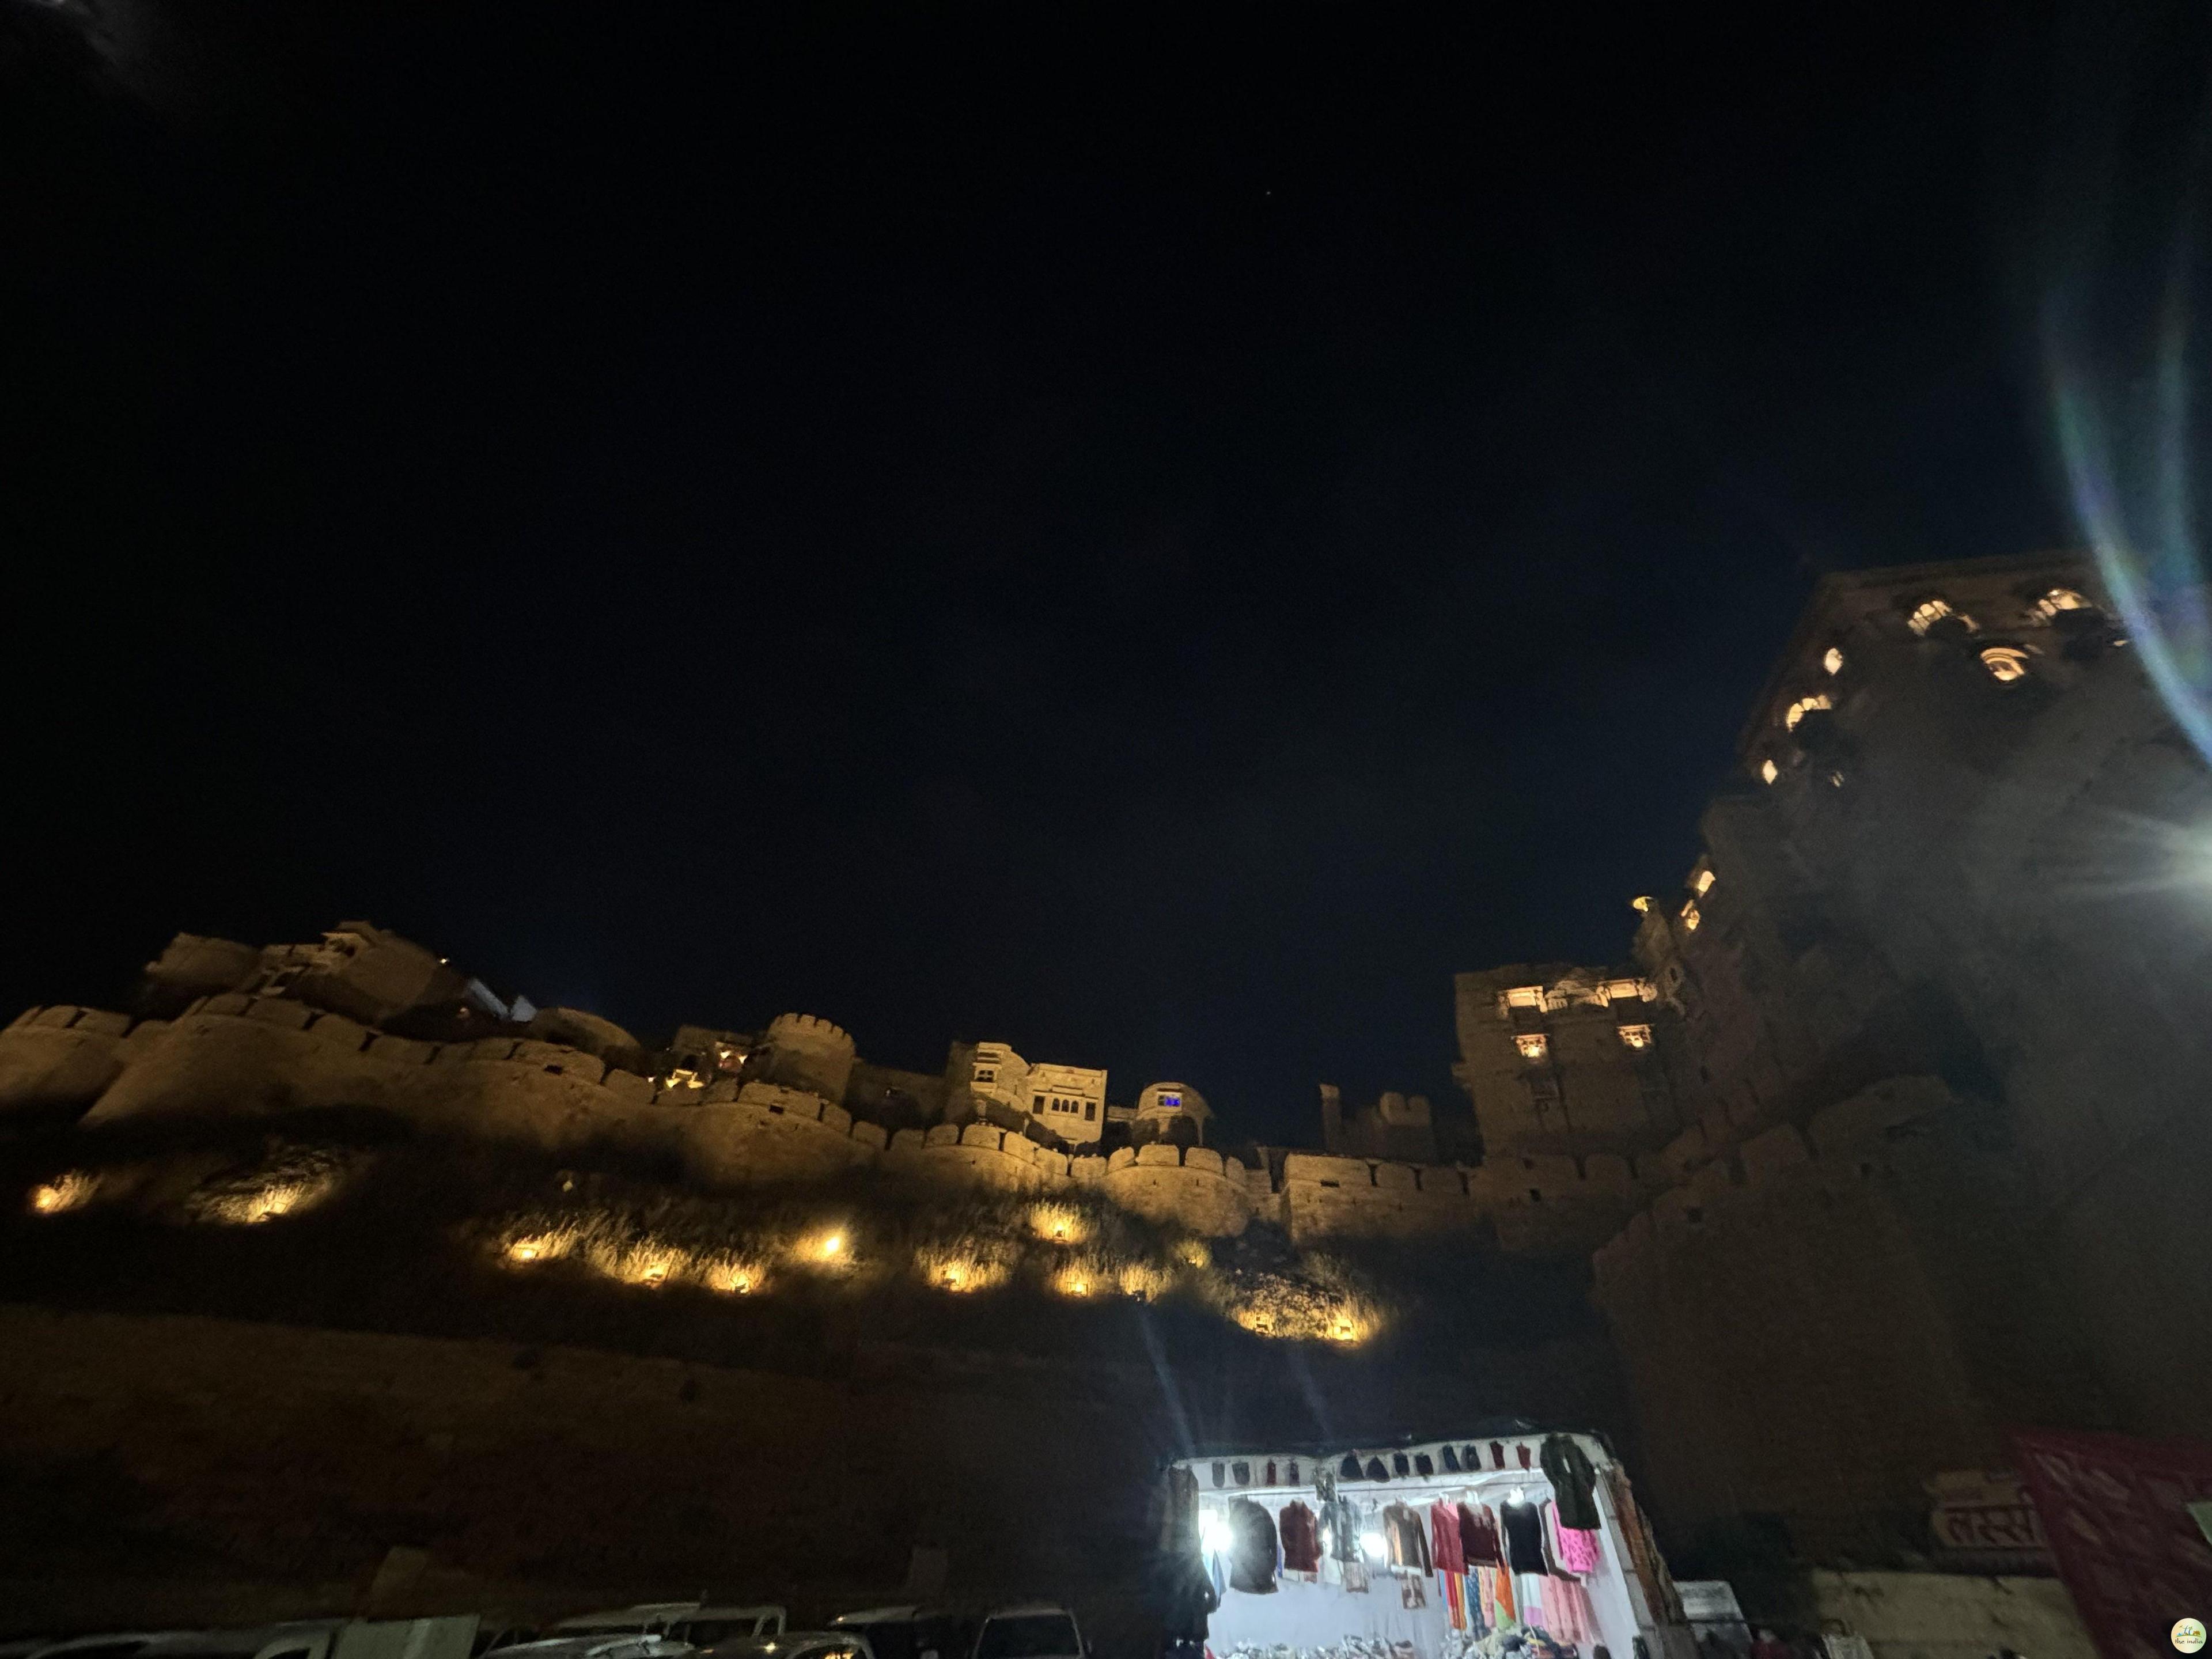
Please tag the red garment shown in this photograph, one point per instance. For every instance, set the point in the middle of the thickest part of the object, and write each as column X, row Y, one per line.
column 1478, row 1535
column 1301, row 1535
column 1446, row 1550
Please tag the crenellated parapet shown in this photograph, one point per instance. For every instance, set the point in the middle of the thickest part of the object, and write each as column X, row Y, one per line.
column 235, row 1054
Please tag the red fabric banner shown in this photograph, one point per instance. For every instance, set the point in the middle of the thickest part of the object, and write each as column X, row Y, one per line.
column 2115, row 1511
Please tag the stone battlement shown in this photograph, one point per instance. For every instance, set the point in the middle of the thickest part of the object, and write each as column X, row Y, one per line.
column 235, row 1054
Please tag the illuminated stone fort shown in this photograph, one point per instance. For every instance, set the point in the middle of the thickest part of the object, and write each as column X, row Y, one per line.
column 1888, row 1134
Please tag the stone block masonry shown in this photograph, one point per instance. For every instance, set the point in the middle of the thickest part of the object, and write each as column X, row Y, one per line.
column 236, row 1057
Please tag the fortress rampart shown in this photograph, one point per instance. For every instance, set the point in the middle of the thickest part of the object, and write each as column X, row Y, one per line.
column 235, row 1055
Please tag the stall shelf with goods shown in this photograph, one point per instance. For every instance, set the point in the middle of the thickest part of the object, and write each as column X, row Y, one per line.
column 1526, row 1546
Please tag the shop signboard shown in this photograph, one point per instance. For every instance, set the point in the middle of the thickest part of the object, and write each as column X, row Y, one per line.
column 2117, row 1511
column 1983, row 1522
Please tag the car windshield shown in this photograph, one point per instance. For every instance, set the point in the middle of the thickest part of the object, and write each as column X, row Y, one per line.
column 1027, row 1636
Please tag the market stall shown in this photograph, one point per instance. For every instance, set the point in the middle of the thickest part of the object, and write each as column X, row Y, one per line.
column 1527, row 1545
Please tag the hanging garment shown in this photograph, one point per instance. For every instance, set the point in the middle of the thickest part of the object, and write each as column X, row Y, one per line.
column 1445, row 1548
column 1529, row 1591
column 1412, row 1592
column 1270, row 1480
column 1252, row 1555
column 1650, row 1566
column 1451, row 1460
column 1339, row 1524
column 1477, row 1536
column 1405, row 1541
column 1454, row 1601
column 1497, row 1458
column 1573, row 1551
column 1399, row 1466
column 1524, row 1537
column 1376, row 1471
column 1300, row 1538
column 1574, row 1482
column 1521, row 1451
column 1291, row 1479
column 1355, row 1577
column 1567, row 1605
column 1424, row 1465
column 1349, row 1469
column 1501, row 1591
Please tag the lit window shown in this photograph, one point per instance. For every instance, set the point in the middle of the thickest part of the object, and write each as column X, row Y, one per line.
column 1926, row 615
column 2005, row 662
column 1833, row 662
column 1702, row 883
column 1641, row 903
column 1690, row 917
column 1803, row 707
column 1769, row 771
column 983, row 1075
column 2061, row 598
column 1532, row 1048
column 1636, row 1036
column 1525, row 996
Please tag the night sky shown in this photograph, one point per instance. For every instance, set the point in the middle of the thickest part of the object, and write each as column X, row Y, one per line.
column 1154, row 536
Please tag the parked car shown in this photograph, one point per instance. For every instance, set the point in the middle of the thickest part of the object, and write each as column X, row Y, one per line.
column 305, row 1638
column 1035, row 1631
column 794, row 1644
column 697, row 1624
column 911, row 1632
column 707, row 1624
column 599, row 1644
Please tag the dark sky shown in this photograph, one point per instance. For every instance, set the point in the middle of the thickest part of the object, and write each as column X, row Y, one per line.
column 1156, row 536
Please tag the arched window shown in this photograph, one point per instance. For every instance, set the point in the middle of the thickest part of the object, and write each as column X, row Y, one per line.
column 1927, row 614
column 1803, row 707
column 1833, row 661
column 2061, row 598
column 2005, row 662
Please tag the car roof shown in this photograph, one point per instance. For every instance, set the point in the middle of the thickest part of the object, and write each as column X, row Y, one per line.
column 731, row 1610
column 879, row 1615
column 1021, row 1608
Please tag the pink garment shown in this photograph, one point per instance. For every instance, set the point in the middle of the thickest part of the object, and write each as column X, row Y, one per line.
column 1567, row 1605
column 1572, row 1549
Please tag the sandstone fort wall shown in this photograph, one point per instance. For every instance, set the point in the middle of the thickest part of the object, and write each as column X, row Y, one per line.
column 238, row 1056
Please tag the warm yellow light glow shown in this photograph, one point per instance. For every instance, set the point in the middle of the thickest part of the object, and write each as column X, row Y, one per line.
column 63, row 1192
column 734, row 1277
column 2005, row 662
column 1059, row 1223
column 1690, row 917
column 1636, row 1036
column 1194, row 1253
column 1525, row 996
column 1702, row 883
column 1833, row 661
column 832, row 1244
column 1803, row 707
column 1142, row 1279
column 264, row 1203
column 2061, row 598
column 1926, row 615
column 1641, row 904
column 1532, row 1048
column 1768, row 771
